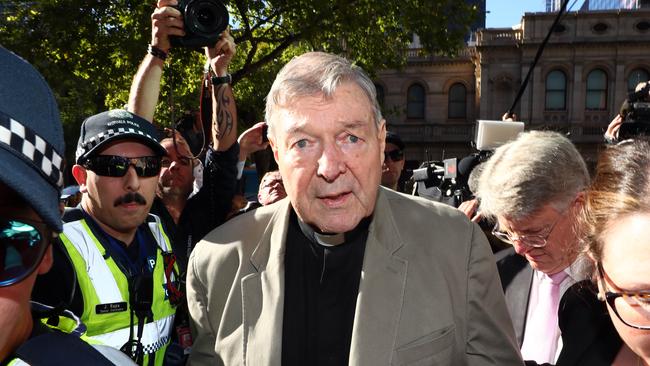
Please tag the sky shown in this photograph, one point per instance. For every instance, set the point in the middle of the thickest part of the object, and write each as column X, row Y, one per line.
column 506, row 13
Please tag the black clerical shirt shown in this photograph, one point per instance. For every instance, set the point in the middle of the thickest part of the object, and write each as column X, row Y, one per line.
column 321, row 287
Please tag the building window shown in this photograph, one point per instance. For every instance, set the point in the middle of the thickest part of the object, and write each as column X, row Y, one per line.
column 556, row 91
column 415, row 102
column 380, row 94
column 636, row 76
column 596, row 90
column 457, row 104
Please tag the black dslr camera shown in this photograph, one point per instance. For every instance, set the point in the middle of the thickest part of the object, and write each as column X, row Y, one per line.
column 636, row 114
column 204, row 21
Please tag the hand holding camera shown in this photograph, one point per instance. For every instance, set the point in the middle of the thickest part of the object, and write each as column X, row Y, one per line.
column 188, row 23
column 166, row 22
column 221, row 53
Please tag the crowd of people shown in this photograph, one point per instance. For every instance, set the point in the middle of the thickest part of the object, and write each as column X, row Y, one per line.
column 162, row 262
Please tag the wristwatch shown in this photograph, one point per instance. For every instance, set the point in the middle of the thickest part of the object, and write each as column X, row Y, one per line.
column 218, row 80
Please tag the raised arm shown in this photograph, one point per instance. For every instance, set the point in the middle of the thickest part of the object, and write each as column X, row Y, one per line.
column 224, row 110
column 145, row 88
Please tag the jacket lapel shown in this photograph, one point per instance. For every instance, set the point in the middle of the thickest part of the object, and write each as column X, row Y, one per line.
column 263, row 294
column 381, row 291
column 517, row 296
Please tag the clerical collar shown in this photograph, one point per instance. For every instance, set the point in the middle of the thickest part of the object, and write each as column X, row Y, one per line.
column 330, row 240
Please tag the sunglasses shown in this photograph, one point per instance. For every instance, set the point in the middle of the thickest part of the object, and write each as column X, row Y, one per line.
column 117, row 166
column 394, row 155
column 22, row 246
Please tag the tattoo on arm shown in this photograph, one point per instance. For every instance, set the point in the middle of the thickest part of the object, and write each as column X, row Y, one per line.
column 223, row 124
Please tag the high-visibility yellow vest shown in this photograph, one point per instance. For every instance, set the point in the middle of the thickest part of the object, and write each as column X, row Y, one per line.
column 102, row 282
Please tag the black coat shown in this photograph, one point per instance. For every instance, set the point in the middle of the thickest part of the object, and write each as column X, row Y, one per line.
column 588, row 335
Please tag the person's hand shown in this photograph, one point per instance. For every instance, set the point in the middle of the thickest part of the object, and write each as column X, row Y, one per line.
column 251, row 141
column 469, row 208
column 221, row 54
column 165, row 21
column 612, row 130
column 509, row 117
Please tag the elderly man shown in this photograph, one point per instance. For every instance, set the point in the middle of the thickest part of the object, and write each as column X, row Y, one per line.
column 31, row 175
column 126, row 290
column 343, row 271
column 533, row 187
column 393, row 162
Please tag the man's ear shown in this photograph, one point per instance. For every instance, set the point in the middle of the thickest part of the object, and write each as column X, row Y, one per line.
column 274, row 147
column 578, row 201
column 382, row 139
column 80, row 175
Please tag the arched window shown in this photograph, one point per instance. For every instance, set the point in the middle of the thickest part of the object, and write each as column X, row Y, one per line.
column 596, row 90
column 636, row 76
column 556, row 90
column 415, row 102
column 457, row 103
column 380, row 94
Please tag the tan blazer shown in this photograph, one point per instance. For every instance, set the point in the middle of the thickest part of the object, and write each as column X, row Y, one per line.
column 429, row 291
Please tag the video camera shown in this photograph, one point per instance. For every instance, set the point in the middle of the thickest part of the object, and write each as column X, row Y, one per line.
column 204, row 21
column 447, row 181
column 635, row 111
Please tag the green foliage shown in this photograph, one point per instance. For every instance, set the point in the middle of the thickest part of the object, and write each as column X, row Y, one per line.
column 89, row 50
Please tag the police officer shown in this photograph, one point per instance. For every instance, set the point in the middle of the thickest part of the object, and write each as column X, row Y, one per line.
column 31, row 147
column 126, row 289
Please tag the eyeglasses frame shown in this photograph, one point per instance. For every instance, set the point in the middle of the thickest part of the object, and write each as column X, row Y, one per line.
column 611, row 296
column 506, row 238
column 88, row 164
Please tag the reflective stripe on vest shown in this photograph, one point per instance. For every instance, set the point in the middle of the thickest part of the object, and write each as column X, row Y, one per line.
column 102, row 282
column 17, row 362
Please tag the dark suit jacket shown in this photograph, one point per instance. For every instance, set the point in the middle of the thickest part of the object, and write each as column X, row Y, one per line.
column 588, row 335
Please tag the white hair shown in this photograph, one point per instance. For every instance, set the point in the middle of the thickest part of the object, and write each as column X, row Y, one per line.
column 524, row 175
column 317, row 73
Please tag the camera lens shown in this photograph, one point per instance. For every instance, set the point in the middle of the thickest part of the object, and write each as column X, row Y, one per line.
column 206, row 18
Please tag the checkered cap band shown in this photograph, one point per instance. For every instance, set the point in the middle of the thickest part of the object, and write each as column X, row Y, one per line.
column 31, row 148
column 97, row 139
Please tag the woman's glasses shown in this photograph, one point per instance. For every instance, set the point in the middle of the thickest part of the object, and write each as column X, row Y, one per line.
column 117, row 166
column 632, row 308
column 22, row 245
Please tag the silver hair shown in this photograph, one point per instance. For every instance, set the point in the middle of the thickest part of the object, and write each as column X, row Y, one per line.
column 524, row 175
column 313, row 74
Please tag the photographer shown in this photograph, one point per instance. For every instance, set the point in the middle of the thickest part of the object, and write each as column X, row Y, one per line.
column 641, row 94
column 188, row 219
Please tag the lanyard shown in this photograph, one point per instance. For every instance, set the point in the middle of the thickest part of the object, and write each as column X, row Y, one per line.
column 146, row 258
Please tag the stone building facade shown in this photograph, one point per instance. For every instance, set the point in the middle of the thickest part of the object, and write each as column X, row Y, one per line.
column 585, row 72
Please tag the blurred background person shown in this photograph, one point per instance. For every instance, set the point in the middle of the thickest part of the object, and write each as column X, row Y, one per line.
column 616, row 228
column 393, row 162
column 271, row 188
column 187, row 210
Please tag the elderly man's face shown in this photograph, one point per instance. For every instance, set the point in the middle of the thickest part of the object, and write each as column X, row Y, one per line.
column 556, row 227
column 330, row 154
